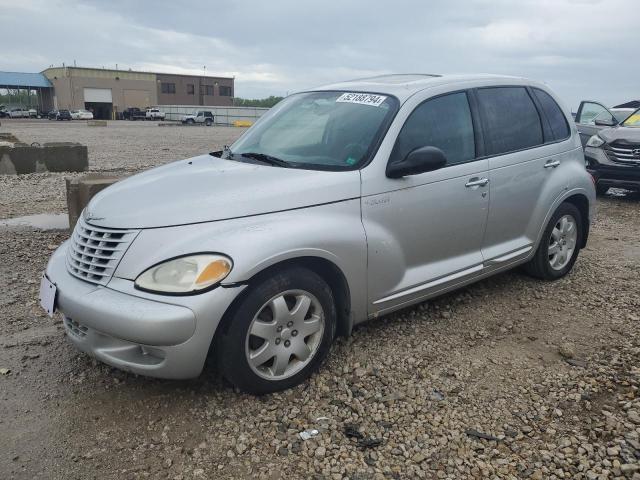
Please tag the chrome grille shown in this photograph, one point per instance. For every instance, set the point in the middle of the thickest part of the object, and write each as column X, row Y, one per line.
column 626, row 154
column 94, row 252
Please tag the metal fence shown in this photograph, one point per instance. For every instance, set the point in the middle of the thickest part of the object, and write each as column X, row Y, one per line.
column 221, row 115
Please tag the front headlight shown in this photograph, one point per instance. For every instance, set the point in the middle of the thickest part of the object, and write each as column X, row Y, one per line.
column 188, row 274
column 595, row 141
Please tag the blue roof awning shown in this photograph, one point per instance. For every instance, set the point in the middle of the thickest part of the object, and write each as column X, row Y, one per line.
column 24, row 80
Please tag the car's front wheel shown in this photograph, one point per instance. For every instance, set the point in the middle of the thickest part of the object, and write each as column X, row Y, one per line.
column 279, row 334
column 560, row 244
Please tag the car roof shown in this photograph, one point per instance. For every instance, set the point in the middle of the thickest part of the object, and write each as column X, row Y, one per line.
column 404, row 85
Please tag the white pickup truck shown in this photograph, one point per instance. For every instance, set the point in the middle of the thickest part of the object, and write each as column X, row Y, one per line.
column 202, row 116
column 154, row 114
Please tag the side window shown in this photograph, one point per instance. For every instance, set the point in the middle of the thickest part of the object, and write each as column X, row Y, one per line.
column 511, row 121
column 557, row 120
column 442, row 122
column 592, row 110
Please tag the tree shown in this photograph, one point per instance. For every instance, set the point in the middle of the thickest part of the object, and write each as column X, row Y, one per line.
column 256, row 102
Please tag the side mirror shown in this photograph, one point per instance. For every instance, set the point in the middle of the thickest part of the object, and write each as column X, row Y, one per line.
column 606, row 122
column 420, row 160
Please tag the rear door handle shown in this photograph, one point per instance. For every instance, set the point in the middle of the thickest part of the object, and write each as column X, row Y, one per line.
column 476, row 182
column 552, row 164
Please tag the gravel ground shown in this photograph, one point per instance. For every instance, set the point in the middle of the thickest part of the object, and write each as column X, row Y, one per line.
column 507, row 378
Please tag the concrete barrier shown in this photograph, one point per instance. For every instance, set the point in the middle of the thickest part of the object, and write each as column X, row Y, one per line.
column 19, row 158
column 8, row 138
column 82, row 189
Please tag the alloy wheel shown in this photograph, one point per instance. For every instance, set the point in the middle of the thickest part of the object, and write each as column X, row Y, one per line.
column 285, row 334
column 562, row 242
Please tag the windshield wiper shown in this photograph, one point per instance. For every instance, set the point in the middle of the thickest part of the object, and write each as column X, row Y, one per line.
column 263, row 157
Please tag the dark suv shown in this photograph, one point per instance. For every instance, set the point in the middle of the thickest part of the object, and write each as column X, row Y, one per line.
column 63, row 115
column 612, row 155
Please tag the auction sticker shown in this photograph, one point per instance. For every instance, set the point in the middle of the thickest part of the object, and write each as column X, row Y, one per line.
column 362, row 99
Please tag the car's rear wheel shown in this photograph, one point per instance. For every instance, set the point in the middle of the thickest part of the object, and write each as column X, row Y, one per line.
column 279, row 334
column 560, row 245
column 208, row 122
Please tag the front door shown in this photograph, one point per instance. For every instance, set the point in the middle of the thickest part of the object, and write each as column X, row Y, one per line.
column 424, row 232
column 588, row 114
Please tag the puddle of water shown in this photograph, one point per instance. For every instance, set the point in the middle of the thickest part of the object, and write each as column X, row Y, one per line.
column 43, row 221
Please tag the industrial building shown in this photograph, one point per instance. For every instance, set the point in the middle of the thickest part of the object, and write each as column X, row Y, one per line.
column 107, row 93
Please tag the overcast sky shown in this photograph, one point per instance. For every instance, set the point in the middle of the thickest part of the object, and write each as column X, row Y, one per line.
column 581, row 48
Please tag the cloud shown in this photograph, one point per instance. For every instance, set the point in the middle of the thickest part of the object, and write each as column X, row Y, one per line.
column 286, row 45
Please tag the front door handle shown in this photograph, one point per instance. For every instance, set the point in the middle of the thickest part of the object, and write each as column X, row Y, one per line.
column 476, row 182
column 552, row 164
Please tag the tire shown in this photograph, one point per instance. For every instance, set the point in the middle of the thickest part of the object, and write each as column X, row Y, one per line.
column 208, row 122
column 601, row 189
column 190, row 121
column 269, row 309
column 565, row 243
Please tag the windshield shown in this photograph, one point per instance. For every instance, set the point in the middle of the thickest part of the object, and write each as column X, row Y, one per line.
column 621, row 114
column 633, row 120
column 320, row 130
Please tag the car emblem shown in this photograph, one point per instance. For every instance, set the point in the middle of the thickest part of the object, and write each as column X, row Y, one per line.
column 636, row 152
column 88, row 216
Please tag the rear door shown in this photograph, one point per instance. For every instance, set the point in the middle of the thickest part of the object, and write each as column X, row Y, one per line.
column 524, row 147
column 588, row 112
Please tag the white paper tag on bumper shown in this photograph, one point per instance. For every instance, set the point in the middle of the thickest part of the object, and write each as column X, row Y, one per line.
column 362, row 99
column 47, row 296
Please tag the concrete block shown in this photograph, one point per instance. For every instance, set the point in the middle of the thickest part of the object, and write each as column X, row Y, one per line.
column 82, row 189
column 21, row 158
column 9, row 138
column 65, row 157
column 97, row 123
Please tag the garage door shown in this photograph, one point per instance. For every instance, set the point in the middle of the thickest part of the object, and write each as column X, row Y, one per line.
column 98, row 95
column 137, row 98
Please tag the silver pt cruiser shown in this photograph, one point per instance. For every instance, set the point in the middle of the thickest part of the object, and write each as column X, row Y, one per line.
column 341, row 204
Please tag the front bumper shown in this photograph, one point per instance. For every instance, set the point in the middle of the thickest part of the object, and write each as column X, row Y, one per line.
column 154, row 335
column 609, row 173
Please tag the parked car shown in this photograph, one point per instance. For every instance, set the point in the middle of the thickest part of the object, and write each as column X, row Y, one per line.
column 134, row 113
column 3, row 111
column 612, row 152
column 32, row 113
column 19, row 113
column 52, row 115
column 81, row 115
column 593, row 117
column 342, row 204
column 64, row 115
column 204, row 117
column 154, row 114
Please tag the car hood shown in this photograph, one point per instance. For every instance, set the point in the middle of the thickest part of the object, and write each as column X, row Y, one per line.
column 630, row 135
column 207, row 188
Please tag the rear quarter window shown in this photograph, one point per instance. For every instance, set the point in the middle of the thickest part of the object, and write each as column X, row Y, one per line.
column 510, row 119
column 553, row 112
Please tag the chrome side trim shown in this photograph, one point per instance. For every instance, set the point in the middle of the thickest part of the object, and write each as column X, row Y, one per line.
column 508, row 256
column 431, row 284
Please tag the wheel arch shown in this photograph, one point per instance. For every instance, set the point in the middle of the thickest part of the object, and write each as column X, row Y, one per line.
column 581, row 202
column 326, row 269
column 578, row 198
